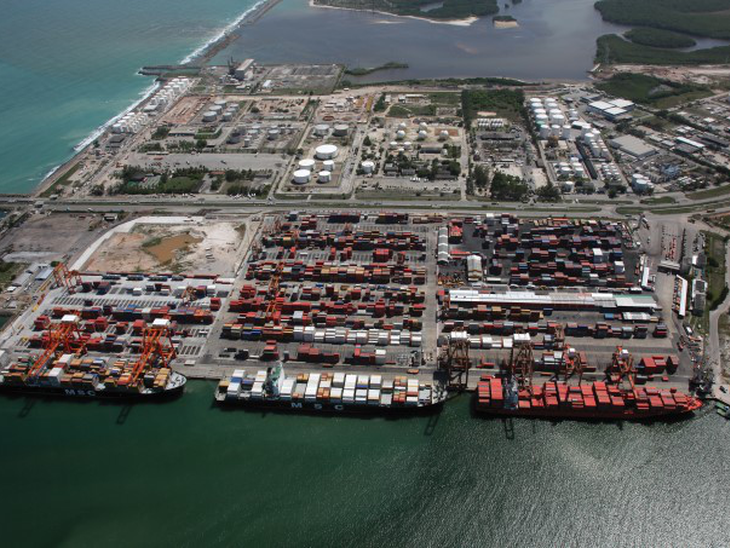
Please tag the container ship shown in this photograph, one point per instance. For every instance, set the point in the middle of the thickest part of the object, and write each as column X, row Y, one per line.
column 597, row 401
column 65, row 369
column 329, row 392
column 91, row 378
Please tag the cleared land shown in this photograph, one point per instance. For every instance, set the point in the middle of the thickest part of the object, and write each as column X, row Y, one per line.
column 212, row 248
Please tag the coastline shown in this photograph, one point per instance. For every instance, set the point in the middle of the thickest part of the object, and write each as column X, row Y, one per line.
column 467, row 22
column 201, row 55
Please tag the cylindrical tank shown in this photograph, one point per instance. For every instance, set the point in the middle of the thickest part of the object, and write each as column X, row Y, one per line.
column 216, row 108
column 566, row 132
column 408, row 145
column 329, row 165
column 341, row 130
column 422, row 135
column 307, row 163
column 326, row 152
column 400, row 134
column 273, row 134
column 544, row 131
column 209, row 116
column 368, row 166
column 320, row 130
column 444, row 134
column 324, row 176
column 302, row 176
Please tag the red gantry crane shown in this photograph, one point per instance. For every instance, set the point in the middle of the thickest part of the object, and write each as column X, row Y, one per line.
column 157, row 349
column 62, row 338
column 70, row 279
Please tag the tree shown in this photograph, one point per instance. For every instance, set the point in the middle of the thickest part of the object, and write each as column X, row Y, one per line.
column 508, row 187
column 549, row 193
column 200, row 144
column 367, row 142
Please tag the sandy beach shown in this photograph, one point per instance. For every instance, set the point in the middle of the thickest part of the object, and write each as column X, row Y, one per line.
column 454, row 22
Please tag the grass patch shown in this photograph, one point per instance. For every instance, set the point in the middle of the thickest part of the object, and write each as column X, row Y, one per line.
column 715, row 272
column 63, row 181
column 508, row 103
column 152, row 242
column 651, row 91
column 611, row 48
column 403, row 111
column 364, row 71
column 709, row 193
column 8, row 272
column 659, row 201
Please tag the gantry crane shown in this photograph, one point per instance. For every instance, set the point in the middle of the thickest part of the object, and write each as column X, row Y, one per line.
column 273, row 292
column 455, row 362
column 70, row 279
column 569, row 363
column 62, row 338
column 157, row 349
column 522, row 364
column 621, row 368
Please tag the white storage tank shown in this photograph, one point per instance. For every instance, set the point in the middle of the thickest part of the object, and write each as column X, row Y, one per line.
column 302, row 176
column 306, row 164
column 422, row 135
column 329, row 165
column 341, row 130
column 209, row 116
column 326, row 152
column 320, row 130
column 400, row 135
column 368, row 166
column 324, row 176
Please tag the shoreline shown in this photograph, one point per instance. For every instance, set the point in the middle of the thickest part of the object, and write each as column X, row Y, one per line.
column 201, row 54
column 467, row 22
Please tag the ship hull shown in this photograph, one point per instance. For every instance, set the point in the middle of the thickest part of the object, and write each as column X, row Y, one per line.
column 91, row 394
column 327, row 408
column 583, row 415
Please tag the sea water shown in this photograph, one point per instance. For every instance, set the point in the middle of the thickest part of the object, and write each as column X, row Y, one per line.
column 186, row 473
column 68, row 66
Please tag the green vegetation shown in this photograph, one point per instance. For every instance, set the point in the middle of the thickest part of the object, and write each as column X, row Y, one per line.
column 160, row 133
column 709, row 18
column 406, row 111
column 152, row 242
column 709, row 193
column 479, row 179
column 659, row 38
column 362, row 71
column 135, row 180
column 505, row 102
column 651, row 91
column 614, row 49
column 8, row 272
column 451, row 9
column 504, row 19
column 717, row 289
column 508, row 188
column 662, row 200
column 63, row 181
column 380, row 105
column 549, row 193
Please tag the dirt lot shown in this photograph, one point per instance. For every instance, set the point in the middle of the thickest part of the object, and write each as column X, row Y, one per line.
column 51, row 237
column 201, row 248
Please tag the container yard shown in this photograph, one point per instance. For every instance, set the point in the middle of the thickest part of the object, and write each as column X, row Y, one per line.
column 400, row 302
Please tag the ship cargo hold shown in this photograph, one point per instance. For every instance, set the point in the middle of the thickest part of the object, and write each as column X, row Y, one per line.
column 588, row 401
column 333, row 392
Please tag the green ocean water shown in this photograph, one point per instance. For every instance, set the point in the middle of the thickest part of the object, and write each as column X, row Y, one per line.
column 186, row 473
column 68, row 66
